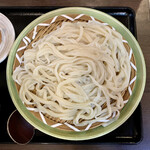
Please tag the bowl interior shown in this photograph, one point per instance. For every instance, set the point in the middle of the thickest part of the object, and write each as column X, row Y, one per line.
column 125, row 112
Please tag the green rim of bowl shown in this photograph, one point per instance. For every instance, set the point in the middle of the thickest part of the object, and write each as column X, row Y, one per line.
column 125, row 112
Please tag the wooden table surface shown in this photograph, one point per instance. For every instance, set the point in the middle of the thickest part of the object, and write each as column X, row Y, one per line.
column 142, row 9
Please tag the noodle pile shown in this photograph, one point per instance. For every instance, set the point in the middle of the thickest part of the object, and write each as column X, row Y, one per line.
column 77, row 73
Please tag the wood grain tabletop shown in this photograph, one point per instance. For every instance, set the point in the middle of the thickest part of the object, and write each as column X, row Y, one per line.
column 142, row 10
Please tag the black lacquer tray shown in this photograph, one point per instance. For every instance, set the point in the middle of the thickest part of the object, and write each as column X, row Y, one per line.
column 129, row 133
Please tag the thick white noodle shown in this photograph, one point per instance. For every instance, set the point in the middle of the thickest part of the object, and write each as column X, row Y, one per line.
column 77, row 72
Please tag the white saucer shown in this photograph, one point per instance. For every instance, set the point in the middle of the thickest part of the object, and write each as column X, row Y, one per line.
column 7, row 36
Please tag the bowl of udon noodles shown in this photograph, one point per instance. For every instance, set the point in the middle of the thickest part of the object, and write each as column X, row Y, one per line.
column 76, row 73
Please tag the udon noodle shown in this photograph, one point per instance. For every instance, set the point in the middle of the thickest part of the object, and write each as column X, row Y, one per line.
column 77, row 73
